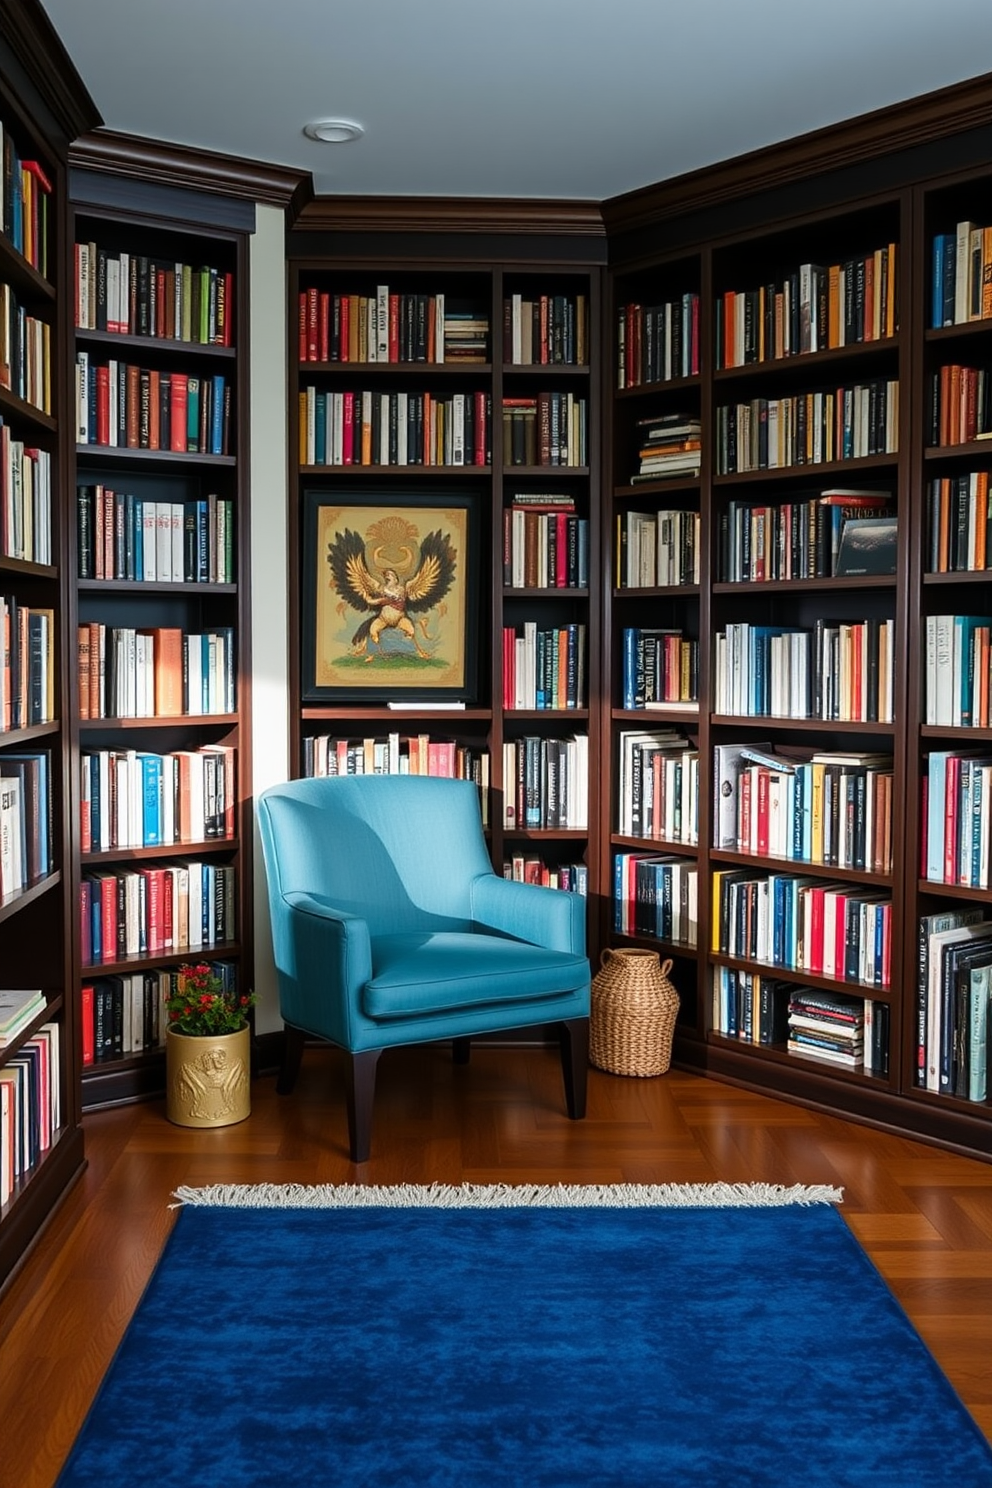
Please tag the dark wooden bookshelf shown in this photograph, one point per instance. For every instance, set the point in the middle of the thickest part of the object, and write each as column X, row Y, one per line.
column 122, row 214
column 705, row 233
column 476, row 279
column 43, row 105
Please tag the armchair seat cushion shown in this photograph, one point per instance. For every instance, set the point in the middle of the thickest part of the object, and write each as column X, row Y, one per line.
column 435, row 972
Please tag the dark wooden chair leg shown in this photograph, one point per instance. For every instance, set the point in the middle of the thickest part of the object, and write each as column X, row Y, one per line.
column 292, row 1058
column 461, row 1048
column 360, row 1091
column 574, row 1040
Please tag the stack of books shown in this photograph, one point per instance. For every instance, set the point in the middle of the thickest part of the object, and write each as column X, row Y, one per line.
column 822, row 1026
column 466, row 337
column 670, row 444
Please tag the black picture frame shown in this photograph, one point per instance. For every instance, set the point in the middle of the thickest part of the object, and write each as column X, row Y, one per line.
column 390, row 596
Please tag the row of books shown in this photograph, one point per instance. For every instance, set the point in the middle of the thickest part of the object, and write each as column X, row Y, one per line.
column 120, row 405
column 961, row 275
column 162, row 672
column 134, row 798
column 544, row 667
column 25, row 352
column 750, row 1007
column 546, row 783
column 660, row 668
column 849, row 423
column 132, row 294
column 841, row 672
column 24, row 203
column 30, row 1104
column 669, row 446
column 549, row 330
column 26, row 833
column 121, row 536
column 814, row 308
column 125, row 1015
column 801, row 539
column 954, row 992
column 959, row 407
column 657, row 549
column 957, row 670
column 550, row 429
column 826, row 929
column 150, row 911
column 658, row 786
column 573, row 878
column 389, row 327
column 545, row 544
column 829, row 808
column 27, row 664
column 657, row 896
column 955, row 818
column 367, row 428
column 658, row 343
column 25, row 499
column 958, row 523
column 398, row 754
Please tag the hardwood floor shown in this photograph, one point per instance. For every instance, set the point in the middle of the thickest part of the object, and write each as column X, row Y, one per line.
column 923, row 1215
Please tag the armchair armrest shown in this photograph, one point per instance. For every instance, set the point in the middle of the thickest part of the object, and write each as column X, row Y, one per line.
column 544, row 917
column 324, row 959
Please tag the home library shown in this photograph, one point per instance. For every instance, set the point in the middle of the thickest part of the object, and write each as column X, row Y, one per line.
column 159, row 680
column 451, row 402
column 838, row 945
column 41, row 1146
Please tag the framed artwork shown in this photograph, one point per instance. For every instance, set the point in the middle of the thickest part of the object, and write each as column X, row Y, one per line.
column 390, row 597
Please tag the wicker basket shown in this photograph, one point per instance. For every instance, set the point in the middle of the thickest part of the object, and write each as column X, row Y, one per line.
column 634, row 1007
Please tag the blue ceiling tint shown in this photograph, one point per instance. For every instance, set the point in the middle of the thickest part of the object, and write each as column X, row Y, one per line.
column 530, row 98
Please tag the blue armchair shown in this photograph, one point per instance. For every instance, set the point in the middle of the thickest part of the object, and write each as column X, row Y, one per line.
column 390, row 927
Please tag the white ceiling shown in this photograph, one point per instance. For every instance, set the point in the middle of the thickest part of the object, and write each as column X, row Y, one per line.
column 518, row 98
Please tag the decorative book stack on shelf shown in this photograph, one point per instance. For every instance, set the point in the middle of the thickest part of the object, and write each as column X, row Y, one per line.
column 444, row 554
column 41, row 1140
column 160, row 683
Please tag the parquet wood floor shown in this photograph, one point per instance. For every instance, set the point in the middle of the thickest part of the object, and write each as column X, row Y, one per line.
column 922, row 1214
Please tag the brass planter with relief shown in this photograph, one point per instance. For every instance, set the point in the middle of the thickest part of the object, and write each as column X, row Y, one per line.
column 207, row 1078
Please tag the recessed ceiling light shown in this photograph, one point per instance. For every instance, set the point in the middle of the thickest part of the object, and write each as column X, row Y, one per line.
column 333, row 131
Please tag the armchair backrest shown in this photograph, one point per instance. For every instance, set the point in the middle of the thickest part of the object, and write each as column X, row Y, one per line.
column 400, row 851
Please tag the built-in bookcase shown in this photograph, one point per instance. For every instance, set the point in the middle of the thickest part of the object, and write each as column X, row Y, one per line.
column 466, row 403
column 160, row 666
column 41, row 1140
column 835, row 770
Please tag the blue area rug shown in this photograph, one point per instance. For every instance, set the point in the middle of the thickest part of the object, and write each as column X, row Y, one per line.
column 521, row 1339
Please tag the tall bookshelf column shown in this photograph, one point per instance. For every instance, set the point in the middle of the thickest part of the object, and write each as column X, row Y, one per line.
column 160, row 515
column 42, row 106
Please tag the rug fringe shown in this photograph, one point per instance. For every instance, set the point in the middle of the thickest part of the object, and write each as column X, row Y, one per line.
column 505, row 1195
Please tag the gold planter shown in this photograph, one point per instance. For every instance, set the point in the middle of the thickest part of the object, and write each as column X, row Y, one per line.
column 206, row 1078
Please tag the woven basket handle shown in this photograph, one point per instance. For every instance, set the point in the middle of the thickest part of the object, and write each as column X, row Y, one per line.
column 608, row 954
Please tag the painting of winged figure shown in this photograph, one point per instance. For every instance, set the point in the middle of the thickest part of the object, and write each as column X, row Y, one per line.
column 391, row 599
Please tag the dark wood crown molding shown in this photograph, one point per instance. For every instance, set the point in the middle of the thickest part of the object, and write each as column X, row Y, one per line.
column 438, row 214
column 900, row 126
column 166, row 164
column 48, row 66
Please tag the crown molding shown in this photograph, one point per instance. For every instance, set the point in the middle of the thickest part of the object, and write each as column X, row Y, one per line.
column 900, row 126
column 441, row 214
column 165, row 164
column 48, row 66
